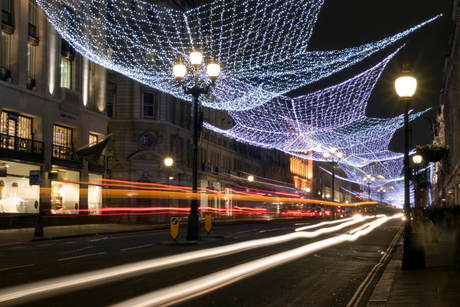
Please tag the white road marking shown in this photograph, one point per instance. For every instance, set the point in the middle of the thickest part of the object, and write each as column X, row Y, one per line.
column 125, row 249
column 88, row 255
column 17, row 267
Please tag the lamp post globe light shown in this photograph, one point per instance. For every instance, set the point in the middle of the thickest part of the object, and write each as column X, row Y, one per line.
column 334, row 155
column 413, row 250
column 180, row 71
column 369, row 179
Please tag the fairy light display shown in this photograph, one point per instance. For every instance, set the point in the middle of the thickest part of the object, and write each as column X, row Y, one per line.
column 262, row 46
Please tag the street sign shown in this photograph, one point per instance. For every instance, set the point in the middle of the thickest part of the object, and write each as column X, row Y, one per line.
column 208, row 222
column 174, row 227
column 35, row 177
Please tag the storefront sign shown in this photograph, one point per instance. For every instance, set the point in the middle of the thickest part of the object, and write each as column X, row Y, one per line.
column 35, row 177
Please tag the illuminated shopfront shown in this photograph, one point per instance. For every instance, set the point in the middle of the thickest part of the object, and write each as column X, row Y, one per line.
column 65, row 196
column 95, row 194
column 16, row 195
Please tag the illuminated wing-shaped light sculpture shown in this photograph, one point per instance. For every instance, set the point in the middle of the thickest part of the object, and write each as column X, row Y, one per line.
column 260, row 45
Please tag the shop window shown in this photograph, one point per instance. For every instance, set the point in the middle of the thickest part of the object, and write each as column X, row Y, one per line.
column 66, row 73
column 94, row 194
column 150, row 107
column 31, row 66
column 16, row 195
column 65, row 196
column 16, row 132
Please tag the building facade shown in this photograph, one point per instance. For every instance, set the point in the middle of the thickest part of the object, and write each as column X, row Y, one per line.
column 52, row 102
column 450, row 106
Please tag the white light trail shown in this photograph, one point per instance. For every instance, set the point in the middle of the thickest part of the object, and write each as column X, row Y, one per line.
column 84, row 280
column 216, row 280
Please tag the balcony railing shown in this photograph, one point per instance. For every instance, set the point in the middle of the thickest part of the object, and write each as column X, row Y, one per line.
column 65, row 153
column 19, row 144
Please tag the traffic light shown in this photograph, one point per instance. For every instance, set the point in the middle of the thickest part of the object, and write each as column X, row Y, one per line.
column 358, row 196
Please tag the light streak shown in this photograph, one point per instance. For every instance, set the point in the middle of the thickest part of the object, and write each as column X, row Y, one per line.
column 84, row 280
column 216, row 280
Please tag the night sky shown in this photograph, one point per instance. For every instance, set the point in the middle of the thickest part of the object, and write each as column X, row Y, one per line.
column 350, row 23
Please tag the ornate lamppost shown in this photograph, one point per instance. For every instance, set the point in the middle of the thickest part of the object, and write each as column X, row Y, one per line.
column 369, row 179
column 179, row 70
column 413, row 250
column 334, row 157
column 168, row 163
column 417, row 160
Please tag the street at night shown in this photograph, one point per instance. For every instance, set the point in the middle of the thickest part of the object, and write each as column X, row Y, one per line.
column 229, row 153
column 328, row 276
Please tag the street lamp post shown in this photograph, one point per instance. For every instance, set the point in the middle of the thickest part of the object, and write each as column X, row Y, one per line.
column 335, row 156
column 413, row 250
column 417, row 160
column 369, row 179
column 381, row 191
column 179, row 70
column 169, row 163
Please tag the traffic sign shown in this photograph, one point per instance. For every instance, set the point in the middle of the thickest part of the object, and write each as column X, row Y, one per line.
column 208, row 222
column 174, row 227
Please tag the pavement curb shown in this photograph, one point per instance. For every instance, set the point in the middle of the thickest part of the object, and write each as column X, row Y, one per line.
column 38, row 239
column 381, row 293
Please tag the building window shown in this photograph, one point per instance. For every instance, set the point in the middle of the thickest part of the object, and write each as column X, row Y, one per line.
column 66, row 73
column 32, row 12
column 150, row 108
column 7, row 10
column 32, row 18
column 62, row 136
column 110, row 13
column 111, row 99
column 5, row 52
column 15, row 131
column 31, row 51
column 92, row 139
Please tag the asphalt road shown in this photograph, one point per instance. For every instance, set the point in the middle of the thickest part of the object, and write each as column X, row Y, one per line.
column 325, row 277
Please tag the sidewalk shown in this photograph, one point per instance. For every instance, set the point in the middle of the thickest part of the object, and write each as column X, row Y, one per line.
column 20, row 236
column 436, row 285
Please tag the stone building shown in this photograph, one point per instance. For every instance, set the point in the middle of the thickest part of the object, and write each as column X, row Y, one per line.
column 52, row 102
column 449, row 100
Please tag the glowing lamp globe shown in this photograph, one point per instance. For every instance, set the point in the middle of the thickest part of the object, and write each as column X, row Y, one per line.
column 168, row 161
column 179, row 70
column 251, row 178
column 213, row 70
column 405, row 86
column 417, row 159
column 196, row 58
column 339, row 155
column 326, row 155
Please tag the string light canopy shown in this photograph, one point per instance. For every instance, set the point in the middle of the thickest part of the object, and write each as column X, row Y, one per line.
column 262, row 46
column 307, row 126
